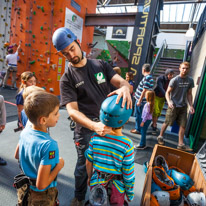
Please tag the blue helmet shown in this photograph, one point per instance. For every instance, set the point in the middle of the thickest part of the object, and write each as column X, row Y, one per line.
column 155, row 187
column 181, row 179
column 112, row 114
column 62, row 38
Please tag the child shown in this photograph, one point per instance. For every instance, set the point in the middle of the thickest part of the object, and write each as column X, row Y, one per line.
column 28, row 90
column 24, row 119
column 38, row 152
column 112, row 156
column 27, row 79
column 129, row 78
column 146, row 118
column 2, row 122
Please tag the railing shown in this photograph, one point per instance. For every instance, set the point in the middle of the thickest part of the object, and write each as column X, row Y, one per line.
column 188, row 51
column 159, row 55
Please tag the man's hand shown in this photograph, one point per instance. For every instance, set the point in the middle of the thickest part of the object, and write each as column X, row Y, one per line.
column 123, row 92
column 101, row 129
column 138, row 103
column 192, row 110
column 170, row 105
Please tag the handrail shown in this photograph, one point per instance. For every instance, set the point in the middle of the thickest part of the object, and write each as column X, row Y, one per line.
column 187, row 50
column 159, row 55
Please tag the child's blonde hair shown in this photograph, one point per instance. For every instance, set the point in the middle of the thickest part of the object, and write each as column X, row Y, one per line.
column 30, row 89
column 150, row 96
column 25, row 76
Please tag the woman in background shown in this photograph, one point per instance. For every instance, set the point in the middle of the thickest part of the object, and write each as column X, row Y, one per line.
column 27, row 79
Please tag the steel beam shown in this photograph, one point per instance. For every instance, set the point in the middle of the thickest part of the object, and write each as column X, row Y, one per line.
column 117, row 19
column 128, row 20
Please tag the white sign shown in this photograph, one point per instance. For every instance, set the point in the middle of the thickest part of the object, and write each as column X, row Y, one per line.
column 74, row 23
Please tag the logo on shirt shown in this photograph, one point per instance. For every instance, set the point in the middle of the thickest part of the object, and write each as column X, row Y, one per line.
column 51, row 154
column 184, row 84
column 100, row 78
column 79, row 84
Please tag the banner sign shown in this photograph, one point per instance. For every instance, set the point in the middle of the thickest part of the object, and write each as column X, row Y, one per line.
column 142, row 35
column 119, row 33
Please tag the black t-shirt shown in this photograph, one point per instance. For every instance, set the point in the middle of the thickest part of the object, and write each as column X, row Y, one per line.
column 161, row 87
column 88, row 86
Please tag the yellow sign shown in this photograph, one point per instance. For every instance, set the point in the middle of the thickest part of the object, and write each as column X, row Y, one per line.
column 59, row 69
column 60, row 61
column 58, row 77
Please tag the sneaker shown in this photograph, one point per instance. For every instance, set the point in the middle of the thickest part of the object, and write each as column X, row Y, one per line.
column 160, row 140
column 154, row 128
column 137, row 146
column 12, row 88
column 134, row 131
column 2, row 161
column 76, row 202
column 184, row 148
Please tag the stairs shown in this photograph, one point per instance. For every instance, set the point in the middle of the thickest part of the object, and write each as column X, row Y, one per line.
column 162, row 66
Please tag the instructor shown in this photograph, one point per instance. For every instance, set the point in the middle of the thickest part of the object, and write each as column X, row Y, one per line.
column 83, row 88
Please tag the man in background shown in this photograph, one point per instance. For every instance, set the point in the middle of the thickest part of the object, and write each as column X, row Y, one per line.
column 178, row 93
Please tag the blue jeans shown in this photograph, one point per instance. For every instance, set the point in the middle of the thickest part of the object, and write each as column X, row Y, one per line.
column 138, row 115
column 144, row 132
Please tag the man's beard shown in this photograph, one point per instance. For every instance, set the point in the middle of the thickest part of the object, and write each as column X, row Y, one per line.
column 75, row 60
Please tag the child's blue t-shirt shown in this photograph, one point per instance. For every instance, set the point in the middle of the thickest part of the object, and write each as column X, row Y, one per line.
column 37, row 148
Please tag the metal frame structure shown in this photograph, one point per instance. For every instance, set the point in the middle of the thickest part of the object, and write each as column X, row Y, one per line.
column 178, row 26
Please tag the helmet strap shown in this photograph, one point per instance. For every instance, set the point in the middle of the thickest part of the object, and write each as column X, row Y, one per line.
column 80, row 49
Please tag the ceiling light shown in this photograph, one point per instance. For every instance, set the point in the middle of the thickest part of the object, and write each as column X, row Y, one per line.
column 190, row 32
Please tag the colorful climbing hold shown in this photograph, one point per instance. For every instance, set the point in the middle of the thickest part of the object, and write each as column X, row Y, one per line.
column 51, row 89
column 32, row 62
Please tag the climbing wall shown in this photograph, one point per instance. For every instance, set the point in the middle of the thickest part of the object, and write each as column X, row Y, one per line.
column 33, row 22
column 5, row 12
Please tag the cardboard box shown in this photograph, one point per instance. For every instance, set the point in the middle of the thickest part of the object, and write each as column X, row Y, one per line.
column 184, row 160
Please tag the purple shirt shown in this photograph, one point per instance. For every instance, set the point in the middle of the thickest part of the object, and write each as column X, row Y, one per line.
column 146, row 115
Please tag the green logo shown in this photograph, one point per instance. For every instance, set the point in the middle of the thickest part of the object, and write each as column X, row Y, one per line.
column 100, row 78
column 74, row 18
